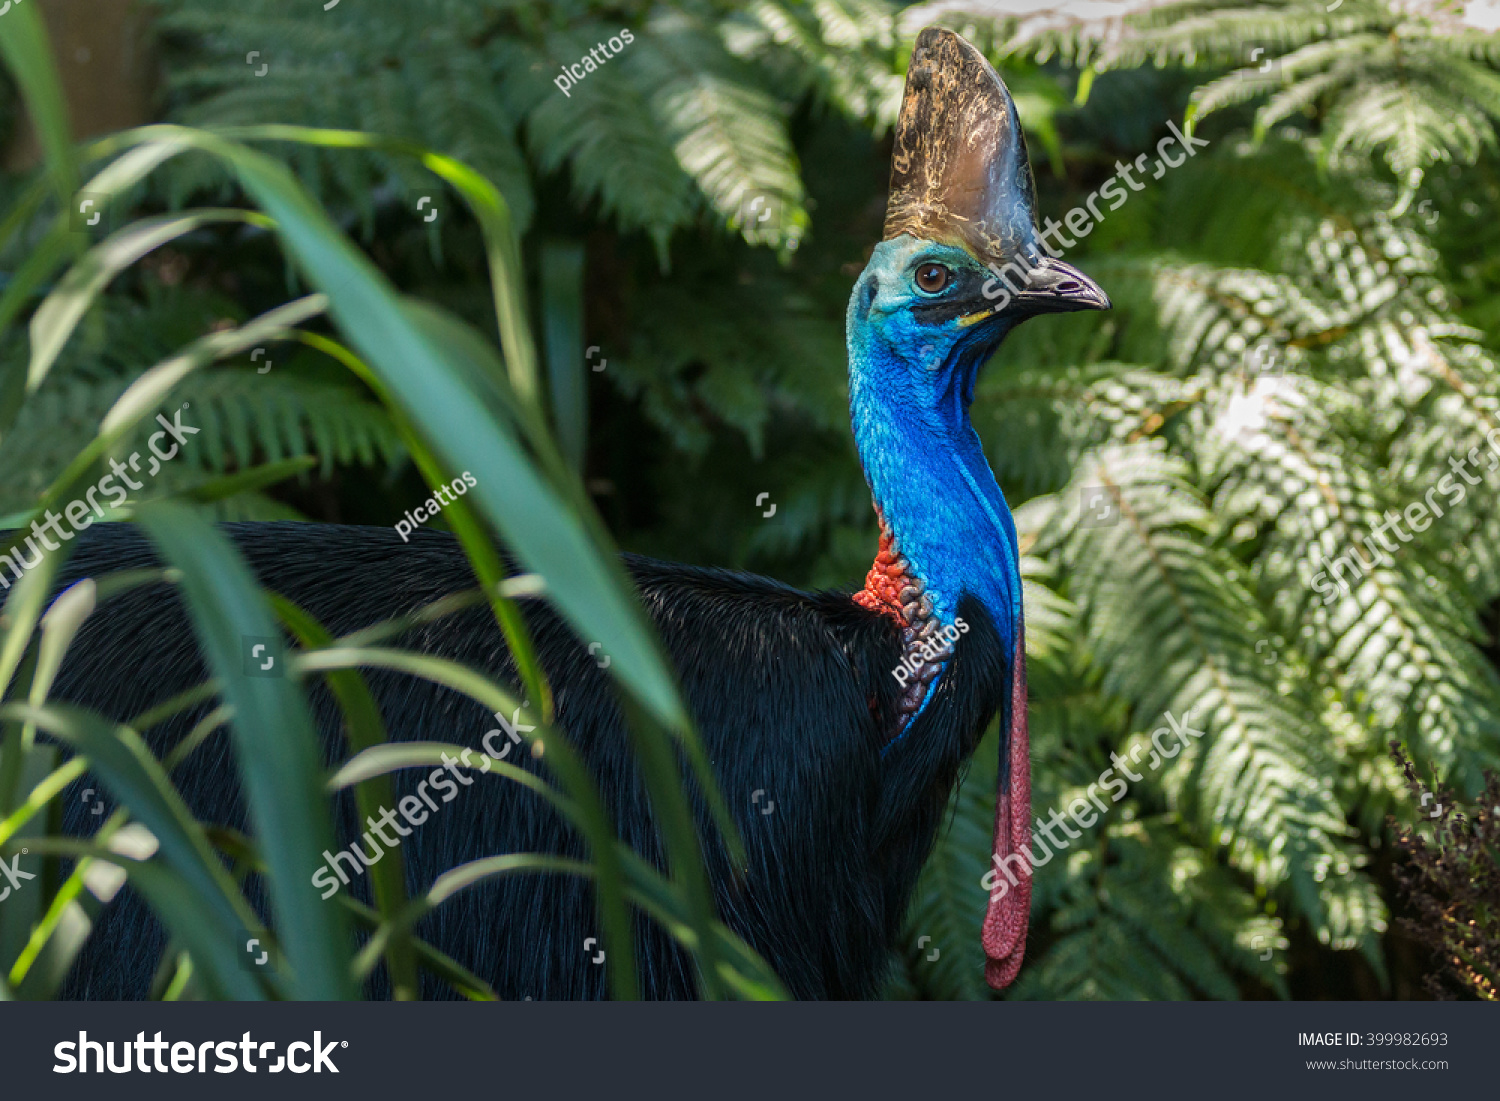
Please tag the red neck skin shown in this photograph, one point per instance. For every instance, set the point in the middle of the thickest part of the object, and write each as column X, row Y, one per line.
column 887, row 577
column 893, row 589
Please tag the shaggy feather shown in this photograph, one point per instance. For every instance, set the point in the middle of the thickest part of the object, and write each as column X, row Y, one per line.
column 791, row 691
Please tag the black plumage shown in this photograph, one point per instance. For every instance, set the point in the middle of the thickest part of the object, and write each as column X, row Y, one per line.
column 792, row 692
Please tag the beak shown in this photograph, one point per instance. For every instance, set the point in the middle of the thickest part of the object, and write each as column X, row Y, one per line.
column 1049, row 286
column 1055, row 287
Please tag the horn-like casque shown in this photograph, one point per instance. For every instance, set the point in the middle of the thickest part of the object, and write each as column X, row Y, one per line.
column 960, row 174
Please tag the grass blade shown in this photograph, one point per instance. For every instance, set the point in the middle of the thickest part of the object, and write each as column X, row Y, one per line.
column 28, row 54
column 193, row 875
column 58, row 315
column 562, row 329
column 274, row 741
column 366, row 730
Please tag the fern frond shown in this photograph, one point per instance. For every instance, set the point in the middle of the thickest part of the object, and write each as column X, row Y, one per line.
column 1174, row 628
column 243, row 418
column 603, row 131
column 728, row 134
column 840, row 50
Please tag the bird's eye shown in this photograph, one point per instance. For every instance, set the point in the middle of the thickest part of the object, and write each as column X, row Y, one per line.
column 932, row 278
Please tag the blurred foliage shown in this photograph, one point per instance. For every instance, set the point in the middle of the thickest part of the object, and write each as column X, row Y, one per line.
column 1303, row 338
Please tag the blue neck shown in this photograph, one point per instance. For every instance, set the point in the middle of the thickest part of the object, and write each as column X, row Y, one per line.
column 929, row 477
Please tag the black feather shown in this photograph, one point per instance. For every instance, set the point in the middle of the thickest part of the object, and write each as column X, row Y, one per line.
column 792, row 691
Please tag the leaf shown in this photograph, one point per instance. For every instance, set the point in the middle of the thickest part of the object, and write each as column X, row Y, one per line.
column 562, row 312
column 275, row 745
column 203, row 899
column 58, row 315
column 27, row 50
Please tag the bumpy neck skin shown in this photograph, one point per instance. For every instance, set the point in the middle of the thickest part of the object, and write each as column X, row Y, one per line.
column 944, row 520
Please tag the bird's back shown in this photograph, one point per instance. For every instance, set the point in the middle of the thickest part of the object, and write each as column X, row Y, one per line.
column 794, row 701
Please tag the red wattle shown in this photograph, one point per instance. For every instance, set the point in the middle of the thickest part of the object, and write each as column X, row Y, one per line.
column 886, row 579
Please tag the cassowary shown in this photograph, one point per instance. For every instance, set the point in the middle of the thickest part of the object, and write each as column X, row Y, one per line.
column 851, row 715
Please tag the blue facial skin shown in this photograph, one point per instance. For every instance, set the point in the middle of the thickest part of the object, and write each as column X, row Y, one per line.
column 913, row 362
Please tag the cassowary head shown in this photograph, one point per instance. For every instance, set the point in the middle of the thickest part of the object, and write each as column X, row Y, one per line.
column 961, row 261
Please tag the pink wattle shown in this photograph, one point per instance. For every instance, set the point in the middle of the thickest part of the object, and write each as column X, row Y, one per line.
column 1004, row 932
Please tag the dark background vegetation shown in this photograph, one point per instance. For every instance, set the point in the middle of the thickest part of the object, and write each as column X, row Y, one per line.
column 1303, row 335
